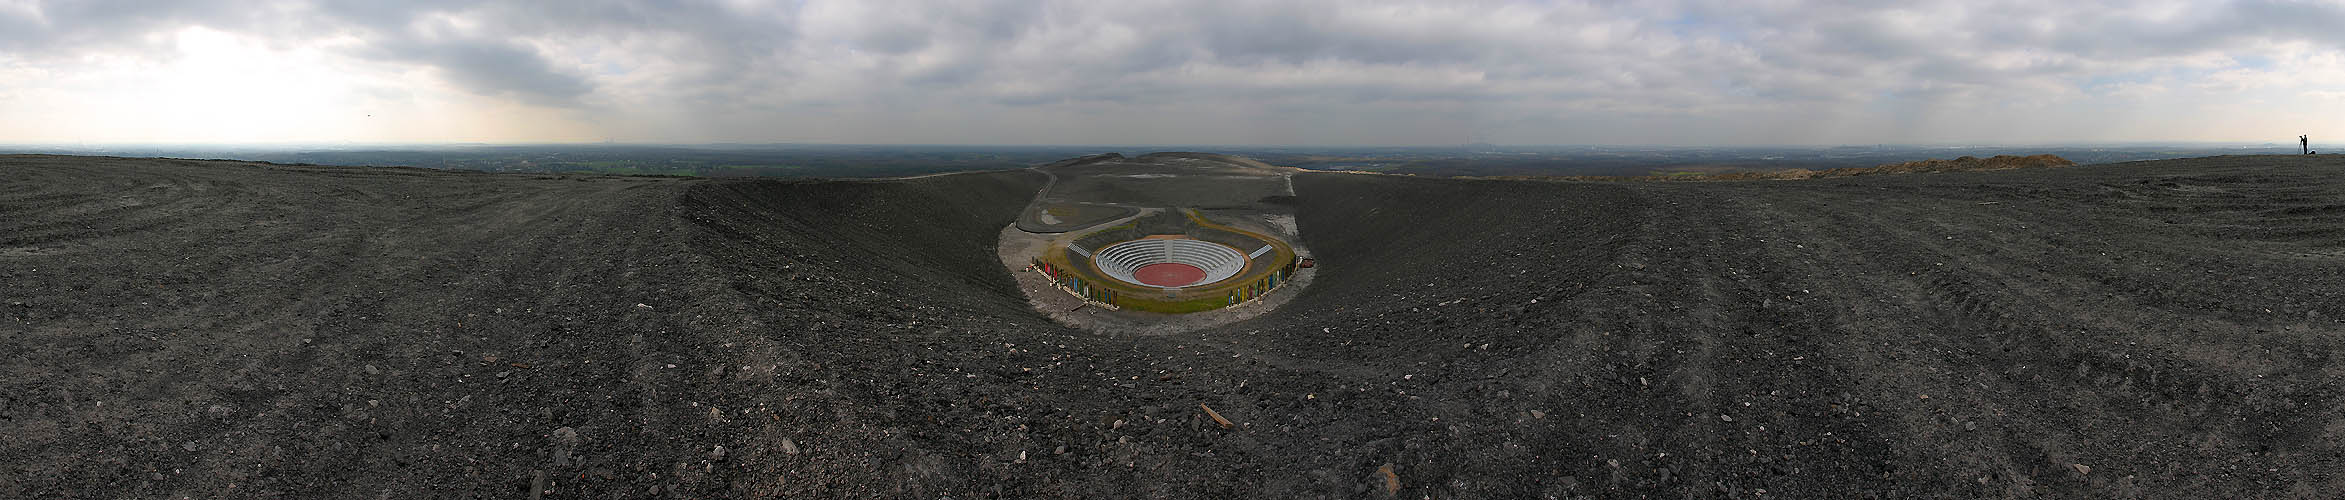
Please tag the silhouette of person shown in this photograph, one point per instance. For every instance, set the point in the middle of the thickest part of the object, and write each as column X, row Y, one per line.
column 2304, row 143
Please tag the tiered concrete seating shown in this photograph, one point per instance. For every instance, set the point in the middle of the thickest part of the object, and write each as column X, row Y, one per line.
column 1121, row 259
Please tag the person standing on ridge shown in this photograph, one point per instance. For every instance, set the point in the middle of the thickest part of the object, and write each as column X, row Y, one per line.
column 2304, row 144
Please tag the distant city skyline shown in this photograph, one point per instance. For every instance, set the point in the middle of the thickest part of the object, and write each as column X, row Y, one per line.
column 1242, row 73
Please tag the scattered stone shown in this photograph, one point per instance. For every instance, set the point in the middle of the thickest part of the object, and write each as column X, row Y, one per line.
column 1060, row 450
column 371, row 370
column 1119, row 424
column 566, row 437
column 189, row 446
column 565, row 440
column 1538, row 414
column 1725, row 417
column 1391, row 480
column 643, row 306
column 2081, row 469
column 217, row 411
column 717, row 454
column 789, row 446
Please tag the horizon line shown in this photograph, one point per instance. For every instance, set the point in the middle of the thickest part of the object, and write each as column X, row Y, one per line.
column 223, row 145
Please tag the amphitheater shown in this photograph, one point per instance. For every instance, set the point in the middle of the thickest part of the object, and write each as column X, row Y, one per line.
column 1172, row 262
column 1161, row 233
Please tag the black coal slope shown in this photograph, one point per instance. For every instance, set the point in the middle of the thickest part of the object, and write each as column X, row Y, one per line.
column 931, row 237
column 1390, row 244
column 1962, row 334
column 2162, row 329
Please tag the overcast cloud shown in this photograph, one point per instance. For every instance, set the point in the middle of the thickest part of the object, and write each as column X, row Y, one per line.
column 1162, row 72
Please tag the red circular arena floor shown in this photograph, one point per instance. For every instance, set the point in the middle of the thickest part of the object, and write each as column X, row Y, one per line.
column 1168, row 274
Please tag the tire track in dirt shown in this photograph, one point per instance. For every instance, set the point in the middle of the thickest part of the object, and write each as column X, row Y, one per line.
column 344, row 265
column 2051, row 350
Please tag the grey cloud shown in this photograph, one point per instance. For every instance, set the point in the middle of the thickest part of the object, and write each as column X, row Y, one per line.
column 492, row 67
column 747, row 60
column 489, row 66
column 66, row 26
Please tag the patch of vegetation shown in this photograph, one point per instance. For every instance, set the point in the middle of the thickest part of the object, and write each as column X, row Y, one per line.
column 1179, row 307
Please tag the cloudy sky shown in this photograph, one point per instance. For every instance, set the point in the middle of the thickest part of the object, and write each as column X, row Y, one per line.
column 1726, row 72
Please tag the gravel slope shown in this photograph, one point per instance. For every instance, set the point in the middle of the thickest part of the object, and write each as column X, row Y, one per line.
column 229, row 329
